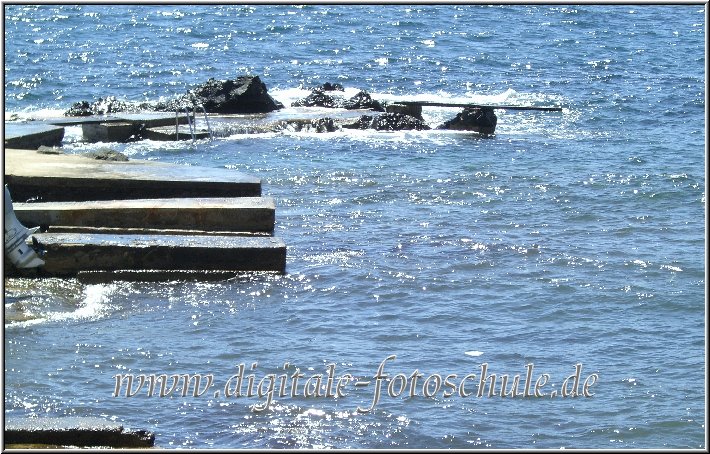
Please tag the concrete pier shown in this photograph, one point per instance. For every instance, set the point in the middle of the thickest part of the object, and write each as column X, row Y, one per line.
column 42, row 177
column 72, row 431
column 237, row 214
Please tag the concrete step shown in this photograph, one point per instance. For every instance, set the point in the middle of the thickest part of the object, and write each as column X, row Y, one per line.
column 236, row 214
column 167, row 133
column 32, row 135
column 73, row 431
column 68, row 254
column 49, row 178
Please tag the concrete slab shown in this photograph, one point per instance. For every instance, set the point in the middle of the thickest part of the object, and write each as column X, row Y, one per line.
column 70, row 253
column 119, row 131
column 84, row 432
column 167, row 133
column 41, row 177
column 153, row 119
column 76, row 121
column 32, row 135
column 235, row 214
column 149, row 119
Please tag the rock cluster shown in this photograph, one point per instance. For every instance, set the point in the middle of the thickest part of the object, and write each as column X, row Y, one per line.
column 248, row 94
column 480, row 119
column 388, row 122
column 318, row 98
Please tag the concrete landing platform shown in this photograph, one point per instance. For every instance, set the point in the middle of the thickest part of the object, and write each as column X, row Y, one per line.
column 236, row 214
column 72, row 431
column 167, row 133
column 32, row 135
column 148, row 119
column 50, row 178
column 70, row 253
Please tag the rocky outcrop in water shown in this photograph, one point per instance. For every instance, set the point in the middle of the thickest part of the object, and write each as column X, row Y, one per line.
column 246, row 94
column 363, row 100
column 479, row 119
column 317, row 99
column 318, row 125
column 331, row 87
column 388, row 122
column 103, row 106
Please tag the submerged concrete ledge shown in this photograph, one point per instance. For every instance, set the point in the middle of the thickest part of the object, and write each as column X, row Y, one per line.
column 72, row 431
column 236, row 214
column 42, row 177
column 68, row 254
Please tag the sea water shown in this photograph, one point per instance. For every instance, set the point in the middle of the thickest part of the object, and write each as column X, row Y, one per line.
column 567, row 250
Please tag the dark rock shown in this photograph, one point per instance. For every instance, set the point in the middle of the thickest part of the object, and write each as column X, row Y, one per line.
column 411, row 109
column 246, row 94
column 79, row 109
column 388, row 122
column 43, row 149
column 106, row 154
column 318, row 125
column 363, row 100
column 317, row 99
column 479, row 119
column 331, row 87
column 103, row 106
column 322, row 125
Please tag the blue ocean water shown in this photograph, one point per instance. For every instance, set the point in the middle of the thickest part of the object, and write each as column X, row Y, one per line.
column 566, row 238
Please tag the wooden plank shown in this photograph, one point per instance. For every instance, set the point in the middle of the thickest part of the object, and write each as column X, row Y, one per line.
column 68, row 254
column 467, row 105
column 236, row 214
column 42, row 177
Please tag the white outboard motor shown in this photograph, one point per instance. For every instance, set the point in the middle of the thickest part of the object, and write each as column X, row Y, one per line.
column 21, row 254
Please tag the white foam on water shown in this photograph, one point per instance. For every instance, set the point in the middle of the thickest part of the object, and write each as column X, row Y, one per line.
column 94, row 305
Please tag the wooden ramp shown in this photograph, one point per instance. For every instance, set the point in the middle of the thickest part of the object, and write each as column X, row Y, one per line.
column 42, row 177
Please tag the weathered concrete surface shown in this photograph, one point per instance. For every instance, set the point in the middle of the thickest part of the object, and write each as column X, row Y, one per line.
column 120, row 131
column 149, row 119
column 167, row 133
column 83, row 432
column 70, row 253
column 235, row 214
column 32, row 135
column 41, row 177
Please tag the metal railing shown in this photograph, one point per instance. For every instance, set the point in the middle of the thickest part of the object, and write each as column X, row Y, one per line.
column 192, row 122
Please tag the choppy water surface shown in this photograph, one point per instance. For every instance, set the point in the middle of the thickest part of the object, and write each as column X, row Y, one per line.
column 566, row 238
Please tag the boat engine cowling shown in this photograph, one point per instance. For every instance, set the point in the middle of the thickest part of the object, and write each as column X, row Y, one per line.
column 20, row 254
